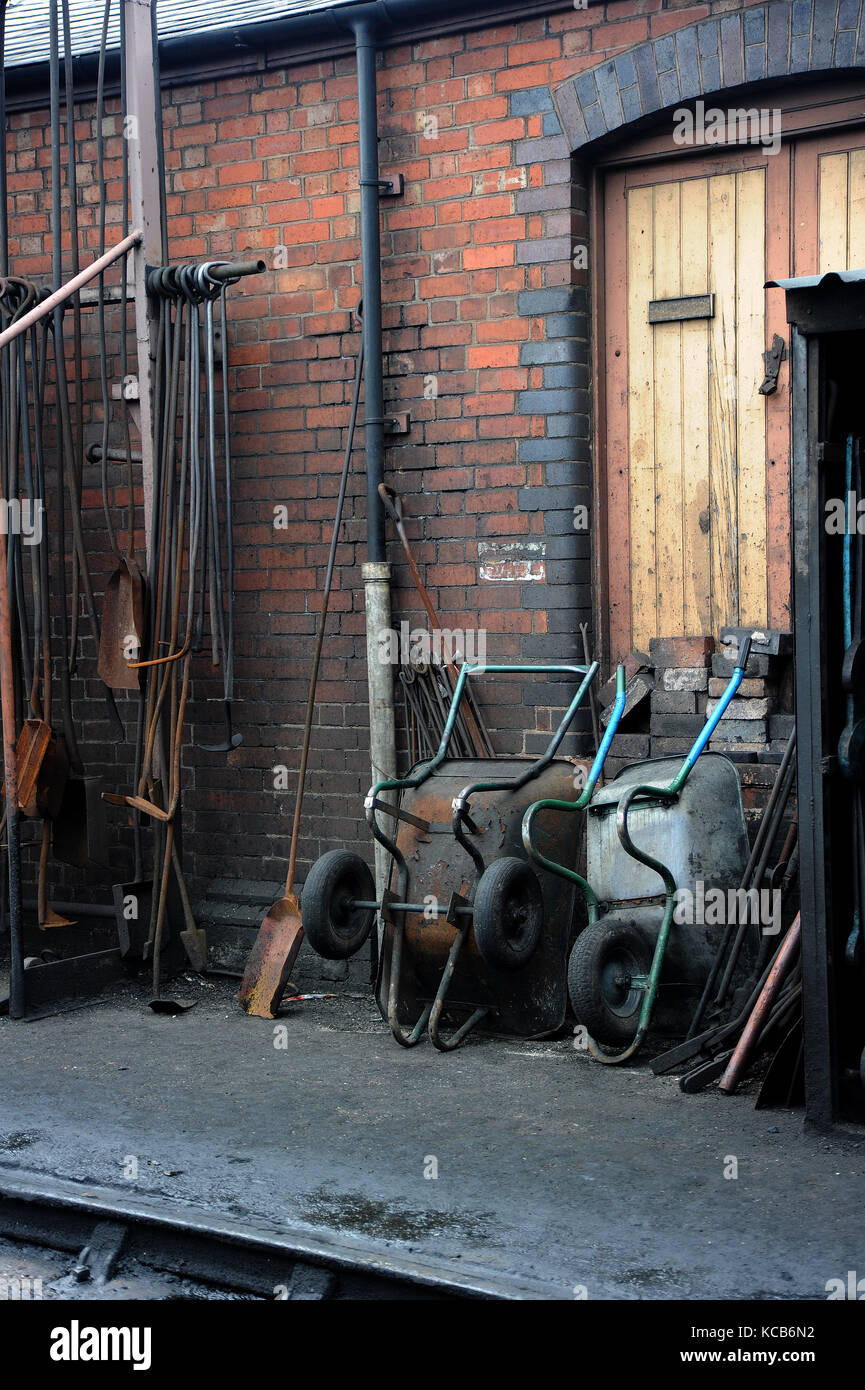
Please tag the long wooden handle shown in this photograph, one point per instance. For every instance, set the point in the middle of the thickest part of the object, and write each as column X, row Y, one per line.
column 322, row 620
column 393, row 506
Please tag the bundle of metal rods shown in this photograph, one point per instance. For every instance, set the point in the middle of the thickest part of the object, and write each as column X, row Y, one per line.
column 708, row 1050
column 41, row 472
column 427, row 694
column 191, row 560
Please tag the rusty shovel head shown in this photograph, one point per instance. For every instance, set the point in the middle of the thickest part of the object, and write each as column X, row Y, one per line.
column 50, row 918
column 122, row 632
column 33, row 741
column 42, row 764
column 272, row 958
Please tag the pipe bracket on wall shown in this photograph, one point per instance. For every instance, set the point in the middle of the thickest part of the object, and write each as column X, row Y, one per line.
column 399, row 423
column 390, row 186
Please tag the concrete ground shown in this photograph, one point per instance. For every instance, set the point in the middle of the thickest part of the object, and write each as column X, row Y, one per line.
column 523, row 1160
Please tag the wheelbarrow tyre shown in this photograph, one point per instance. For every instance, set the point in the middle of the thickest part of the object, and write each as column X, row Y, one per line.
column 509, row 913
column 335, row 928
column 603, row 954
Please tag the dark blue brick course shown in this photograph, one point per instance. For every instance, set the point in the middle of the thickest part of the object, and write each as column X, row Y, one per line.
column 531, row 101
column 551, row 124
column 755, row 26
column 540, row 354
column 689, row 67
column 566, row 326
column 544, row 450
column 548, row 301
column 705, row 58
column 608, row 89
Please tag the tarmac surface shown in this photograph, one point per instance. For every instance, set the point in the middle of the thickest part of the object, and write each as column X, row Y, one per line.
column 525, row 1161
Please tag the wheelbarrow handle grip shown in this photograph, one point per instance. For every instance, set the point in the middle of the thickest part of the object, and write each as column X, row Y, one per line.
column 391, row 503
column 646, row 792
column 744, row 653
column 609, row 734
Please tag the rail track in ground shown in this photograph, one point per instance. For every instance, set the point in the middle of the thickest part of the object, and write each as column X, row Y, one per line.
column 63, row 1240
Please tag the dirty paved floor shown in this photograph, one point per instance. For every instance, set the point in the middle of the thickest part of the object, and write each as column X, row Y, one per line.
column 551, row 1168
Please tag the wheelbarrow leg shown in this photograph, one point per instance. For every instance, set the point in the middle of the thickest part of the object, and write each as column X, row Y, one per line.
column 436, row 1038
column 650, row 991
column 413, row 1037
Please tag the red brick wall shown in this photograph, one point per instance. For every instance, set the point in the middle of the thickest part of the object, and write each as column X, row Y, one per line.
column 487, row 345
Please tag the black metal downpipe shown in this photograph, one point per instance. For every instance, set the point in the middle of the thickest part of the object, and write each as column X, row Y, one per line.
column 370, row 234
column 376, row 570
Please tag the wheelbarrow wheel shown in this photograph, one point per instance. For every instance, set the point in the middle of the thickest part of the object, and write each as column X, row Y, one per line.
column 509, row 913
column 605, row 957
column 334, row 926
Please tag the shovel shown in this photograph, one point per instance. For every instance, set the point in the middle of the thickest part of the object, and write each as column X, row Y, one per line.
column 30, row 751
column 281, row 933
column 122, row 632
column 122, row 625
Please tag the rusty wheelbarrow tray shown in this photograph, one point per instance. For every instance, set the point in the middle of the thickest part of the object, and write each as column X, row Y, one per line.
column 468, row 924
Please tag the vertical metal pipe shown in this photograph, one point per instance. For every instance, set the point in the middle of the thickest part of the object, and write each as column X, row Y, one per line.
column 382, row 724
column 7, row 703
column 4, row 229
column 371, row 271
column 376, row 572
column 7, row 684
column 146, row 198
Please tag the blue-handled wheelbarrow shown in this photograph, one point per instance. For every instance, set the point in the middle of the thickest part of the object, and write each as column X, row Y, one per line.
column 683, row 824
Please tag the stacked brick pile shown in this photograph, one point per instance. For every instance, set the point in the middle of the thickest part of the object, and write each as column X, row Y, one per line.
column 675, row 686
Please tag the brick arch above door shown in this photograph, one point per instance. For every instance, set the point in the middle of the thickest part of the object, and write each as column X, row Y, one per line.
column 759, row 44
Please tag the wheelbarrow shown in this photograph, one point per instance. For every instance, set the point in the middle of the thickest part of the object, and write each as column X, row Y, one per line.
column 469, row 925
column 690, row 817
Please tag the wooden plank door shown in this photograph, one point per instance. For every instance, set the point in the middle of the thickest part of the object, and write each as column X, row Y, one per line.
column 829, row 203
column 693, row 516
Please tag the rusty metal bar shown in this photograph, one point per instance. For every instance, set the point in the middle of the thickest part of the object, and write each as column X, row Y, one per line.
column 59, row 296
column 786, row 954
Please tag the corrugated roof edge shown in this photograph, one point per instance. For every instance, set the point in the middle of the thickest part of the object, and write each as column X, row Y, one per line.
column 27, row 32
column 809, row 282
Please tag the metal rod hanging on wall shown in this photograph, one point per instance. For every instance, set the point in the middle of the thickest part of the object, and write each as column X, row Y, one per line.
column 59, row 296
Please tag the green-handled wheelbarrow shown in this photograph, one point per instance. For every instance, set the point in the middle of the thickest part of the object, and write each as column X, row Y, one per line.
column 684, row 824
column 470, row 929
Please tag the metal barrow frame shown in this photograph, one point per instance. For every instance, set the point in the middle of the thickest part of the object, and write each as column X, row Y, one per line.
column 647, row 983
column 459, row 914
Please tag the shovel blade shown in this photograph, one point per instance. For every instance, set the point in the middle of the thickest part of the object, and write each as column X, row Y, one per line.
column 53, row 919
column 30, row 753
column 122, row 626
column 195, row 946
column 132, row 903
column 271, row 959
column 172, row 1006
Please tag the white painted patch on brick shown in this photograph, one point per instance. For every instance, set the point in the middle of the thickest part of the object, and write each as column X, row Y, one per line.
column 512, row 562
column 513, row 571
column 500, row 180
column 321, row 115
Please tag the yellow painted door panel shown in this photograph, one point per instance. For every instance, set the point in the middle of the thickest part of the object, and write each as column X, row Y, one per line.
column 696, row 421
